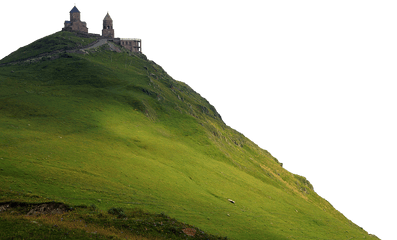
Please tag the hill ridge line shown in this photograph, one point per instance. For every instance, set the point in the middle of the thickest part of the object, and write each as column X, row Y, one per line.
column 95, row 44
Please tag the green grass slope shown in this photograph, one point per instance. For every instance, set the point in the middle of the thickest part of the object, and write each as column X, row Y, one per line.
column 115, row 130
column 60, row 41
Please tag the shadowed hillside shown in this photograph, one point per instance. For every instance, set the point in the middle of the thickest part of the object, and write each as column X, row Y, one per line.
column 110, row 128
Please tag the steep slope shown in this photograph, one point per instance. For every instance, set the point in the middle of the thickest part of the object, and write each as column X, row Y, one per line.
column 114, row 129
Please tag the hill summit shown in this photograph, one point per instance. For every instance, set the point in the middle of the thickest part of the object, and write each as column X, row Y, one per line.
column 87, row 122
column 76, row 25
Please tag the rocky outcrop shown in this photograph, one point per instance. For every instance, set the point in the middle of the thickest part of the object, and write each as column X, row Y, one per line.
column 34, row 209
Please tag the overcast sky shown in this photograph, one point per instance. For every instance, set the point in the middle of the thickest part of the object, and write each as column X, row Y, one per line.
column 311, row 81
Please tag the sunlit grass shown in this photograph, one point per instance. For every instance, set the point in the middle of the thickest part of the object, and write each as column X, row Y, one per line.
column 114, row 130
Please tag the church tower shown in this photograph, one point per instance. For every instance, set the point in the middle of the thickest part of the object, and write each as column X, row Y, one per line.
column 108, row 30
column 75, row 15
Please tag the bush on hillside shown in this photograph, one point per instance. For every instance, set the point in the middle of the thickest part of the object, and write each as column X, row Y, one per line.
column 119, row 212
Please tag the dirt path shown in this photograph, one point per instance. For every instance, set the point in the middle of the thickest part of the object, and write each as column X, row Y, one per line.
column 98, row 44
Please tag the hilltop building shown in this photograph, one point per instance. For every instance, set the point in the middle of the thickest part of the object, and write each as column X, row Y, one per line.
column 76, row 25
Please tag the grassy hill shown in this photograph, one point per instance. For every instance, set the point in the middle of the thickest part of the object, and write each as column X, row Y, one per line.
column 112, row 129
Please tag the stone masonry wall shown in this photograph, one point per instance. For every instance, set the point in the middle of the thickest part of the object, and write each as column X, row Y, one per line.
column 134, row 45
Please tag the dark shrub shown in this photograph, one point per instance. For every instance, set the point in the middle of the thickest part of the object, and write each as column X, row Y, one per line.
column 119, row 212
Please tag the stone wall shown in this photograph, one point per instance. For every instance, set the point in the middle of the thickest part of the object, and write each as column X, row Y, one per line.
column 84, row 34
column 76, row 26
column 133, row 44
column 75, row 17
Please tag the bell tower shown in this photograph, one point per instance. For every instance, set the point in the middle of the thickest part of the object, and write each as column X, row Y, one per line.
column 108, row 31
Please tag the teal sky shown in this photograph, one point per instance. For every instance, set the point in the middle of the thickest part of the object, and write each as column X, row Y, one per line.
column 313, row 82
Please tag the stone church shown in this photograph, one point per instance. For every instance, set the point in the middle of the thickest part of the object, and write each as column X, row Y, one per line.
column 76, row 25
